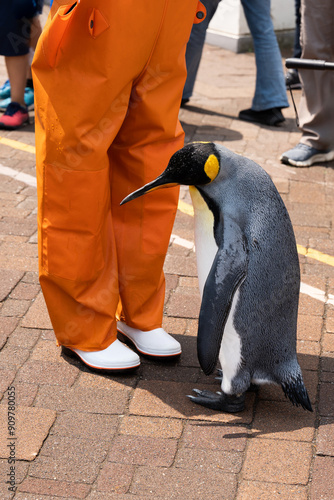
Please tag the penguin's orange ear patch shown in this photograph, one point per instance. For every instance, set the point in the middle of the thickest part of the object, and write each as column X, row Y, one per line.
column 211, row 167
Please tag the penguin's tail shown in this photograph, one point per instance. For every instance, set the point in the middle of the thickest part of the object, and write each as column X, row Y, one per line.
column 295, row 390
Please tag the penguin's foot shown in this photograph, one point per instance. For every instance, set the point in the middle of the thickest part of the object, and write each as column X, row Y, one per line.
column 219, row 401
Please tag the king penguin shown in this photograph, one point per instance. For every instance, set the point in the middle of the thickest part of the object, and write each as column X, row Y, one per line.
column 248, row 272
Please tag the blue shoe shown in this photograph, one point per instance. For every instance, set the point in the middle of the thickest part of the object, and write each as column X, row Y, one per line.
column 28, row 99
column 303, row 155
column 5, row 90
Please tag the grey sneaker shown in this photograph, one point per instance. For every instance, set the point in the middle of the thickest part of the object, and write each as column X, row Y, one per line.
column 303, row 155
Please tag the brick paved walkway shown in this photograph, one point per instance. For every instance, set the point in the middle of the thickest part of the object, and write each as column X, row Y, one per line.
column 84, row 435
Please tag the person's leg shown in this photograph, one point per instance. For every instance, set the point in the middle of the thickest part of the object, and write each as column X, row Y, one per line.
column 143, row 227
column 316, row 109
column 316, row 114
column 195, row 47
column 17, row 74
column 270, row 91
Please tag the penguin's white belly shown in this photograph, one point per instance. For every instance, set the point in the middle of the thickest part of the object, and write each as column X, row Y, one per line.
column 205, row 243
column 230, row 349
column 206, row 250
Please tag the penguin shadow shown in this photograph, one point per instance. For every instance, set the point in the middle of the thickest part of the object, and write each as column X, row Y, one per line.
column 164, row 383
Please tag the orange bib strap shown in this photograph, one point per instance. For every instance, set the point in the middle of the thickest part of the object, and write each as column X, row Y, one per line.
column 200, row 13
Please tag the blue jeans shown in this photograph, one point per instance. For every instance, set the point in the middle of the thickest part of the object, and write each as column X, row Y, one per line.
column 195, row 46
column 270, row 90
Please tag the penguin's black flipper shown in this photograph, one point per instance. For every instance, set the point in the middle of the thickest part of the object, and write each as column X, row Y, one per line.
column 219, row 401
column 228, row 271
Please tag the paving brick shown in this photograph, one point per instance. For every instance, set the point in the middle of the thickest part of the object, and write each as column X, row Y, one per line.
column 308, row 354
column 182, row 265
column 115, row 478
column 21, row 469
column 314, row 268
column 75, row 424
column 183, row 483
column 214, row 437
column 325, row 437
column 309, row 327
column 37, row 316
column 25, row 393
column 328, row 342
column 12, row 357
column 208, row 460
column 189, row 352
column 322, row 486
column 168, row 399
column 278, row 420
column 306, row 192
column 185, row 302
column 171, row 284
column 8, row 280
column 25, row 338
column 66, row 459
column 152, row 427
column 327, row 377
column 54, row 488
column 7, row 326
column 32, row 426
column 96, row 495
column 249, row 490
column 276, row 461
column 6, row 378
column 61, row 398
column 30, row 277
column 327, row 362
column 44, row 372
column 309, row 306
column 143, row 450
column 326, row 400
column 174, row 326
column 192, row 327
column 17, row 227
column 91, row 380
column 25, row 291
column 47, row 350
column 15, row 308
column 163, row 372
column 330, row 324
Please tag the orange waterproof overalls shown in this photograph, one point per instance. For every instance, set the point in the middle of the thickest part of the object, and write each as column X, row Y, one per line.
column 108, row 79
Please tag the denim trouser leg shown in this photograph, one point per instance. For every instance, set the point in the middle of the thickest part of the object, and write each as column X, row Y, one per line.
column 195, row 46
column 270, row 91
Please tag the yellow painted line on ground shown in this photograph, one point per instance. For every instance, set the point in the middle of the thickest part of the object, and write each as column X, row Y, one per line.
column 316, row 255
column 308, row 252
column 18, row 145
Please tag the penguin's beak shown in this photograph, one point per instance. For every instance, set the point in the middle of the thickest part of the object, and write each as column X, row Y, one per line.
column 159, row 182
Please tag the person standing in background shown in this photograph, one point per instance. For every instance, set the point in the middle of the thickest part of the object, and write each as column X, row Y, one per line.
column 270, row 91
column 316, row 109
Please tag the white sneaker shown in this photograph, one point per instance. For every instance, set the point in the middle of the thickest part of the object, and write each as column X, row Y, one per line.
column 115, row 357
column 155, row 342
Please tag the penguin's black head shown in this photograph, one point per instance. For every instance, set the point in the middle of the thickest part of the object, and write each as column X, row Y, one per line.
column 193, row 165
